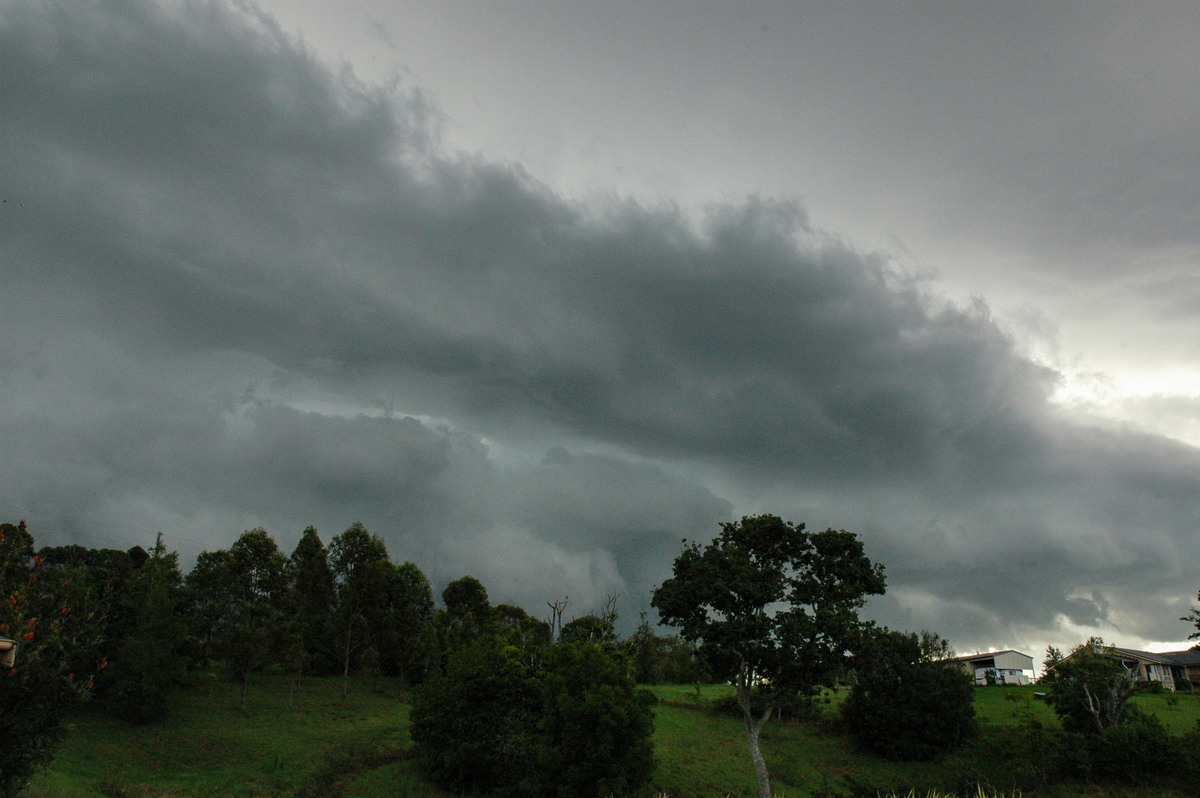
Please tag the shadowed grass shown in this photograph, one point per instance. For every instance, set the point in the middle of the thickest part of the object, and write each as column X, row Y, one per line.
column 311, row 742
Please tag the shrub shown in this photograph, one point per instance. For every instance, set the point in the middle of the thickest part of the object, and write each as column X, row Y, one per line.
column 1134, row 749
column 571, row 724
column 903, row 708
column 474, row 728
column 595, row 727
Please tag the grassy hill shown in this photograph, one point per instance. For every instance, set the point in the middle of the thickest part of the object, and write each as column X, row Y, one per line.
column 311, row 742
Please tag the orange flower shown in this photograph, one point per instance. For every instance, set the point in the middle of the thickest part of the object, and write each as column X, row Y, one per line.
column 28, row 635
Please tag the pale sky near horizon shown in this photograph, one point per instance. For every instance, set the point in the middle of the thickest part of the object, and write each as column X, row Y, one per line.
column 535, row 289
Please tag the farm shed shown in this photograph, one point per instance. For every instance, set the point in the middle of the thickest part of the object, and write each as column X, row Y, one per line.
column 1009, row 667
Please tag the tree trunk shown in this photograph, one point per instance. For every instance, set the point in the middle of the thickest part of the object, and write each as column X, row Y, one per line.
column 754, row 727
column 346, row 668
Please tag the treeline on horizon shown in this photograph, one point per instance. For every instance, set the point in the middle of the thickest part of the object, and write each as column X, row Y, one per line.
column 346, row 609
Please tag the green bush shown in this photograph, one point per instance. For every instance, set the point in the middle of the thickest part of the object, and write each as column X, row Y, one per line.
column 569, row 722
column 1134, row 749
column 474, row 729
column 595, row 729
column 903, row 708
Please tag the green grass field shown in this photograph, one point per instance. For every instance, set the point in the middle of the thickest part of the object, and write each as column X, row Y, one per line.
column 311, row 742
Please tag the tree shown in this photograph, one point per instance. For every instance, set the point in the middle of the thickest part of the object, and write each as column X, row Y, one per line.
column 362, row 570
column 51, row 611
column 311, row 605
column 240, row 598
column 147, row 660
column 466, row 618
column 408, row 644
column 1091, row 688
column 906, row 702
column 591, row 628
column 774, row 608
column 1054, row 656
column 1194, row 618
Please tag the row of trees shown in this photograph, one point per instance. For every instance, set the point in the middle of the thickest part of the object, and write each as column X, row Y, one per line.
column 124, row 627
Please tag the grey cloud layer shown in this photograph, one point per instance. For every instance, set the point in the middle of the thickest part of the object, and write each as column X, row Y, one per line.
column 195, row 204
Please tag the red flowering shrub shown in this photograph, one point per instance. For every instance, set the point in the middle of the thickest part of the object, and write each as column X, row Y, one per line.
column 43, row 679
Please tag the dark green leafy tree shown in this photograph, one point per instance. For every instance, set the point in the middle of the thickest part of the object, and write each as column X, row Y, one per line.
column 905, row 703
column 467, row 617
column 409, row 645
column 148, row 659
column 311, row 605
column 240, row 600
column 1054, row 656
column 362, row 573
column 1090, row 688
column 528, row 636
column 774, row 609
column 52, row 613
column 595, row 629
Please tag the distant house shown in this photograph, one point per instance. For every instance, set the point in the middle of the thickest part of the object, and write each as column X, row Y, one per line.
column 1174, row 670
column 1007, row 667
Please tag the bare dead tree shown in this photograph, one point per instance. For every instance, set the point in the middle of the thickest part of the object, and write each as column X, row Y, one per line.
column 557, row 607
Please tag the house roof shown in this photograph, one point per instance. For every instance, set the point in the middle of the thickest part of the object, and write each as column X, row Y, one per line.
column 1160, row 659
column 989, row 655
column 1189, row 657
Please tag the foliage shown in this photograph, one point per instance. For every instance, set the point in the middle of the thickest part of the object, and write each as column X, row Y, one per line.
column 1132, row 750
column 455, row 745
column 773, row 607
column 656, row 659
column 408, row 642
column 1049, row 665
column 468, row 615
column 362, row 571
column 903, row 705
column 240, row 597
column 148, row 659
column 50, row 611
column 1090, row 688
column 594, row 629
column 1194, row 618
column 310, row 605
column 594, row 726
column 570, row 724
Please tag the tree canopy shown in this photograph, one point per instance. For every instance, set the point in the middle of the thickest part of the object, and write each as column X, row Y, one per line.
column 1090, row 688
column 906, row 703
column 774, row 609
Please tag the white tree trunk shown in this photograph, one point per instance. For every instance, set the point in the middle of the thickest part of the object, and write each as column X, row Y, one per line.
column 754, row 728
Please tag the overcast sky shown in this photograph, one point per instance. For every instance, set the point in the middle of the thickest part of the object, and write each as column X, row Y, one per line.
column 536, row 290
